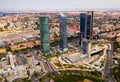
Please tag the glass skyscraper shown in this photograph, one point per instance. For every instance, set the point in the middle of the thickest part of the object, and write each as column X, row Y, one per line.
column 85, row 26
column 63, row 33
column 44, row 34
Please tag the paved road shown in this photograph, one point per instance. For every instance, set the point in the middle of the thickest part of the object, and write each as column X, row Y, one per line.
column 111, row 64
column 47, row 66
column 107, row 70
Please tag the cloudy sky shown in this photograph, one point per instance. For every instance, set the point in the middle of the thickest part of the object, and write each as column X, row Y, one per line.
column 59, row 4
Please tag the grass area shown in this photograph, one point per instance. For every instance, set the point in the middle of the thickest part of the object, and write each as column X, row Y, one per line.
column 2, row 55
column 58, row 64
column 116, row 72
column 55, row 55
column 50, row 75
column 36, row 74
column 75, row 76
column 27, row 80
column 22, row 80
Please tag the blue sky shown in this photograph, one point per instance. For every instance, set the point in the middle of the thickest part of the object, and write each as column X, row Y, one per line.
column 59, row 4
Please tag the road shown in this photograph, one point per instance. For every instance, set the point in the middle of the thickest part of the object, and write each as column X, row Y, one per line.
column 47, row 66
column 107, row 70
column 111, row 63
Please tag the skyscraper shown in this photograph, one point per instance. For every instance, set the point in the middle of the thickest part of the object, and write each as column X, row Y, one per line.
column 92, row 20
column 83, row 26
column 86, row 21
column 63, row 33
column 44, row 34
column 89, row 33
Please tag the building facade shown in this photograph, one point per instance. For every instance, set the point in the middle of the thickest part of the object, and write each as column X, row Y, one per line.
column 84, row 46
column 44, row 34
column 86, row 24
column 63, row 33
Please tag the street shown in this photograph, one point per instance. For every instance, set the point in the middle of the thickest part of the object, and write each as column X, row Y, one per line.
column 107, row 70
column 47, row 66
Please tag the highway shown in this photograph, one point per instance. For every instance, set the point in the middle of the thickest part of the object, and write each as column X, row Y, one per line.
column 107, row 75
column 47, row 66
column 111, row 63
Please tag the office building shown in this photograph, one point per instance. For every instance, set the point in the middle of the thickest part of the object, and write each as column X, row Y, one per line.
column 44, row 34
column 84, row 46
column 63, row 33
column 86, row 25
column 83, row 27
column 89, row 49
column 92, row 20
column 89, row 27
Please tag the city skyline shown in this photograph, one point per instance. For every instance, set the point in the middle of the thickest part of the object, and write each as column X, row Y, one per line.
column 46, row 46
column 58, row 4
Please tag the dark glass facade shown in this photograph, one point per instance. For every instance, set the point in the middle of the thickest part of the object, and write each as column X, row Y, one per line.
column 83, row 23
column 88, row 35
column 85, row 26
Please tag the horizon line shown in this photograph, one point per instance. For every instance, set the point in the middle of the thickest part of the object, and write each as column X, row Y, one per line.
column 64, row 9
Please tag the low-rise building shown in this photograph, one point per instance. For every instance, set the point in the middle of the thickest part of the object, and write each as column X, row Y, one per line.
column 11, row 69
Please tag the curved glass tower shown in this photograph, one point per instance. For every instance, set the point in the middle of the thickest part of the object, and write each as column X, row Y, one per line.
column 44, row 34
